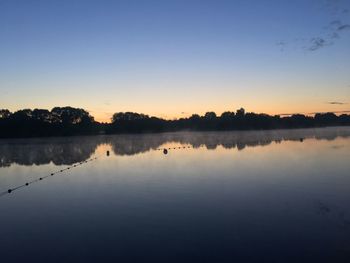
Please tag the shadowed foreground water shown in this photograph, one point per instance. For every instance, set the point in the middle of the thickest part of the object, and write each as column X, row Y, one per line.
column 276, row 196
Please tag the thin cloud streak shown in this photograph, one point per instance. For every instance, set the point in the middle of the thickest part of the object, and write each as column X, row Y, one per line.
column 344, row 27
column 313, row 113
column 337, row 103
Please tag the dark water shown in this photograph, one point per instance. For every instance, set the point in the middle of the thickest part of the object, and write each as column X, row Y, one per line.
column 278, row 196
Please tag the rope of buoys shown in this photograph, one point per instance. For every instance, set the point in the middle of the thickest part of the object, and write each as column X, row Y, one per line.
column 10, row 190
column 166, row 150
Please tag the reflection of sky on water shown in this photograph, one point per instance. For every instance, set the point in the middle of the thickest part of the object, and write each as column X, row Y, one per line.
column 281, row 201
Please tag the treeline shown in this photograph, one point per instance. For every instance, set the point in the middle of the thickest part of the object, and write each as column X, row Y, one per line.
column 59, row 121
column 65, row 121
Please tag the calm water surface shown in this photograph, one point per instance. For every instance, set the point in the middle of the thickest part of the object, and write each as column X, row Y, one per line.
column 276, row 196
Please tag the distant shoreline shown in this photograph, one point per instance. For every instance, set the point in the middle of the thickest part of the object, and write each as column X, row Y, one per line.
column 68, row 121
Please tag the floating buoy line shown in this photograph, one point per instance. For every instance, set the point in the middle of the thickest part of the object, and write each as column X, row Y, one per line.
column 166, row 150
column 11, row 190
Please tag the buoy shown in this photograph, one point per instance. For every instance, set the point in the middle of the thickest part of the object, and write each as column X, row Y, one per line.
column 9, row 190
column 107, row 153
column 40, row 178
column 165, row 151
column 27, row 184
column 301, row 139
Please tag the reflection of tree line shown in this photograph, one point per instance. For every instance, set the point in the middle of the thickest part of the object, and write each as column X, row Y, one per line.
column 64, row 151
column 39, row 152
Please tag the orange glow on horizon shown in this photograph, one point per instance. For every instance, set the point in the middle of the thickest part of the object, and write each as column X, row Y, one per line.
column 102, row 117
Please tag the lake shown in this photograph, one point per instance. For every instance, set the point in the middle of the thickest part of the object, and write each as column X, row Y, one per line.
column 242, row 196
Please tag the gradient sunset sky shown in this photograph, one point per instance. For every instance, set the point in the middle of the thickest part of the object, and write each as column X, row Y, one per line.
column 174, row 58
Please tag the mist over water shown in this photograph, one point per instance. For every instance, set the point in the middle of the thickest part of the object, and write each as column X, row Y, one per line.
column 250, row 196
column 70, row 150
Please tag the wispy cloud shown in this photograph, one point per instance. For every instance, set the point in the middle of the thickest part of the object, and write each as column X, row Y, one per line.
column 331, row 32
column 317, row 43
column 337, row 103
column 344, row 27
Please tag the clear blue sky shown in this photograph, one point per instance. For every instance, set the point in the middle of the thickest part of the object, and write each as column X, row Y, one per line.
column 173, row 58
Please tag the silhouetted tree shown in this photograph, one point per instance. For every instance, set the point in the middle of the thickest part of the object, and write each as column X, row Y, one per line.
column 210, row 115
column 325, row 119
column 227, row 115
column 42, row 115
column 41, row 122
column 128, row 116
column 4, row 114
column 71, row 115
column 240, row 112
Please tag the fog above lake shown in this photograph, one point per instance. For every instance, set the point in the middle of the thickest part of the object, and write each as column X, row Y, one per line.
column 69, row 150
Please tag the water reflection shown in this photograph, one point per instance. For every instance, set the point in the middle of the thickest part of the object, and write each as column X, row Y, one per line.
column 44, row 151
column 67, row 151
column 287, row 202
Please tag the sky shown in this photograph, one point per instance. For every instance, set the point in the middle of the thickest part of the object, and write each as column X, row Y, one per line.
column 173, row 58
